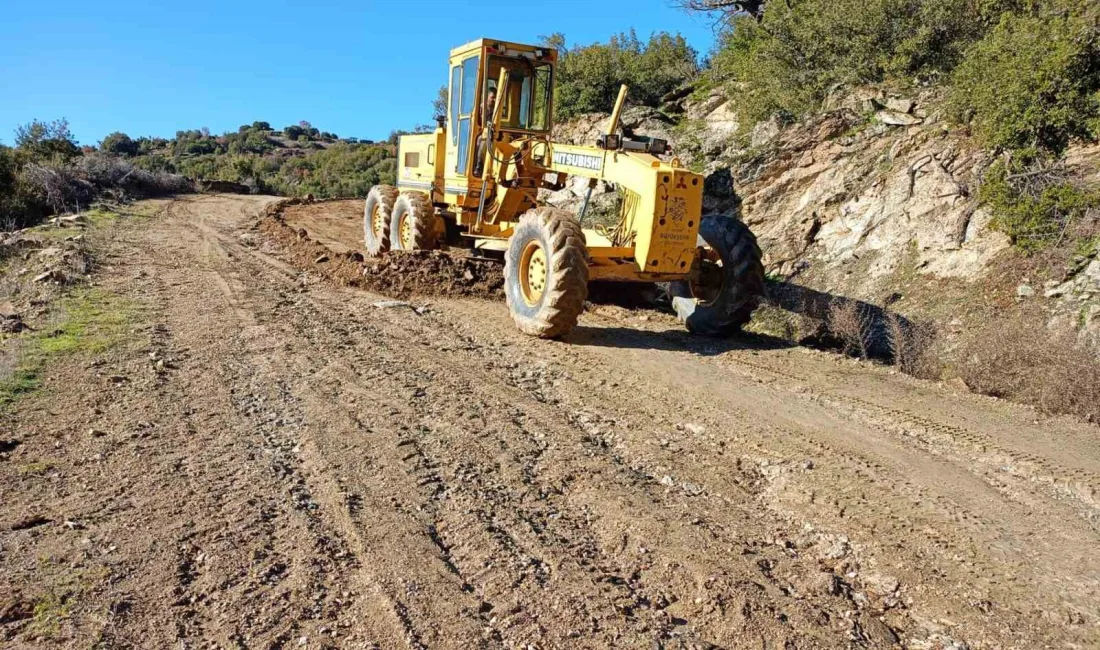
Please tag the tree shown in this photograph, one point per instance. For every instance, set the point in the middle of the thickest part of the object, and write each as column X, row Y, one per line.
column 725, row 9
column 439, row 104
column 293, row 131
column 1033, row 81
column 589, row 76
column 39, row 140
column 261, row 126
column 120, row 144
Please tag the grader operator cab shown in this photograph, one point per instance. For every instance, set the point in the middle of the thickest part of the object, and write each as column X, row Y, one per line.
column 475, row 183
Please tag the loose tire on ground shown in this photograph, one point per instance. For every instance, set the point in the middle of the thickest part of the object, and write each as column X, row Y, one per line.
column 376, row 219
column 721, row 310
column 414, row 224
column 546, row 272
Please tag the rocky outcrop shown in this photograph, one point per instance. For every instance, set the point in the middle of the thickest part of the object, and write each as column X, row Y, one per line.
column 846, row 186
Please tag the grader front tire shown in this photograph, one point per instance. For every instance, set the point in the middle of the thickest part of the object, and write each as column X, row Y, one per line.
column 546, row 272
column 376, row 219
column 722, row 306
column 414, row 224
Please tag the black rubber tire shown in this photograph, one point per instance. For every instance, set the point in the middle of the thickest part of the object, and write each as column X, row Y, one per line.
column 566, row 290
column 742, row 276
column 427, row 228
column 382, row 196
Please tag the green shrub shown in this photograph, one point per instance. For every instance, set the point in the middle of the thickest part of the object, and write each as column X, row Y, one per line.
column 342, row 170
column 14, row 208
column 787, row 62
column 1033, row 201
column 1033, row 81
column 119, row 144
column 46, row 140
column 589, row 77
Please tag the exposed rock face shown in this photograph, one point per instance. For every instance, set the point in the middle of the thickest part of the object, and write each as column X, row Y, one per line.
column 636, row 120
column 839, row 187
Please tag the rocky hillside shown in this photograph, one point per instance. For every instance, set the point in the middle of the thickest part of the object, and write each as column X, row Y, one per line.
column 876, row 199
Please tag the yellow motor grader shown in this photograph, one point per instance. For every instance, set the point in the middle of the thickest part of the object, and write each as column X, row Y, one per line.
column 475, row 182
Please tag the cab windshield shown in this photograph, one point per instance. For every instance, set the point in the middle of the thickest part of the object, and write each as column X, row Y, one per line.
column 527, row 105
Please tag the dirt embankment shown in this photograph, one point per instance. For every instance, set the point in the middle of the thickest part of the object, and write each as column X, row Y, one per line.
column 268, row 460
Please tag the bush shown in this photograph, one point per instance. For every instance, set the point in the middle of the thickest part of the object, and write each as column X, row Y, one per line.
column 73, row 186
column 589, row 76
column 1033, row 201
column 120, row 144
column 1020, row 360
column 1033, row 81
column 17, row 207
column 46, row 140
column 787, row 62
column 343, row 170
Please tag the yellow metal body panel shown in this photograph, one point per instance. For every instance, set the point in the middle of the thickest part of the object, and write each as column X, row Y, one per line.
column 663, row 206
column 419, row 163
column 656, row 238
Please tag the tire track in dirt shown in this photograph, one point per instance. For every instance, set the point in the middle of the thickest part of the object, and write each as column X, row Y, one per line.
column 513, row 540
column 332, row 498
column 1025, row 478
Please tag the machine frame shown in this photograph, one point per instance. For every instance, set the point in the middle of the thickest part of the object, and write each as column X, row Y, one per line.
column 659, row 221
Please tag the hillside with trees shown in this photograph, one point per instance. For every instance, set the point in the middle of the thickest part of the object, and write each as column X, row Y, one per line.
column 47, row 172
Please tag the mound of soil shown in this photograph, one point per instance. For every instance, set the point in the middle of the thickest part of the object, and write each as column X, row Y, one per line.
column 433, row 273
column 399, row 274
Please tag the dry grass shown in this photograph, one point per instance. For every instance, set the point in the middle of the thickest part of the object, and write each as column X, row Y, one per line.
column 1021, row 360
column 853, row 326
column 911, row 347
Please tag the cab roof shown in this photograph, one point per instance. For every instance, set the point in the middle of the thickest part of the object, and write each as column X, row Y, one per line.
column 479, row 43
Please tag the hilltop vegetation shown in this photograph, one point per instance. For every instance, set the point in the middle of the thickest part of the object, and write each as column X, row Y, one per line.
column 589, row 76
column 298, row 160
column 47, row 172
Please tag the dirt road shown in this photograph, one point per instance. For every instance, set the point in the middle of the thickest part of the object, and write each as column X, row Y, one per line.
column 279, row 463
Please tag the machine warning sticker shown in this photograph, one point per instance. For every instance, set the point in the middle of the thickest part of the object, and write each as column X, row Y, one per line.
column 578, row 160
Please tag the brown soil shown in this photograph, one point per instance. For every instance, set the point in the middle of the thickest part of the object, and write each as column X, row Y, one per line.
column 307, row 470
column 329, row 235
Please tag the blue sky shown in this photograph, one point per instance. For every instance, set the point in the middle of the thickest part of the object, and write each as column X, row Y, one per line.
column 357, row 68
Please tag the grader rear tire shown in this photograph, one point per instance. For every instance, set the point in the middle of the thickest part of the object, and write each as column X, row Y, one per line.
column 721, row 307
column 414, row 224
column 377, row 217
column 546, row 272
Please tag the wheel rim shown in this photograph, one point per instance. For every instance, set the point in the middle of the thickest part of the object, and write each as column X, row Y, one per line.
column 405, row 233
column 533, row 273
column 707, row 282
column 377, row 222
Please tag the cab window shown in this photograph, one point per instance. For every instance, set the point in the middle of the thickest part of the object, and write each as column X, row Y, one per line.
column 527, row 106
column 467, row 95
